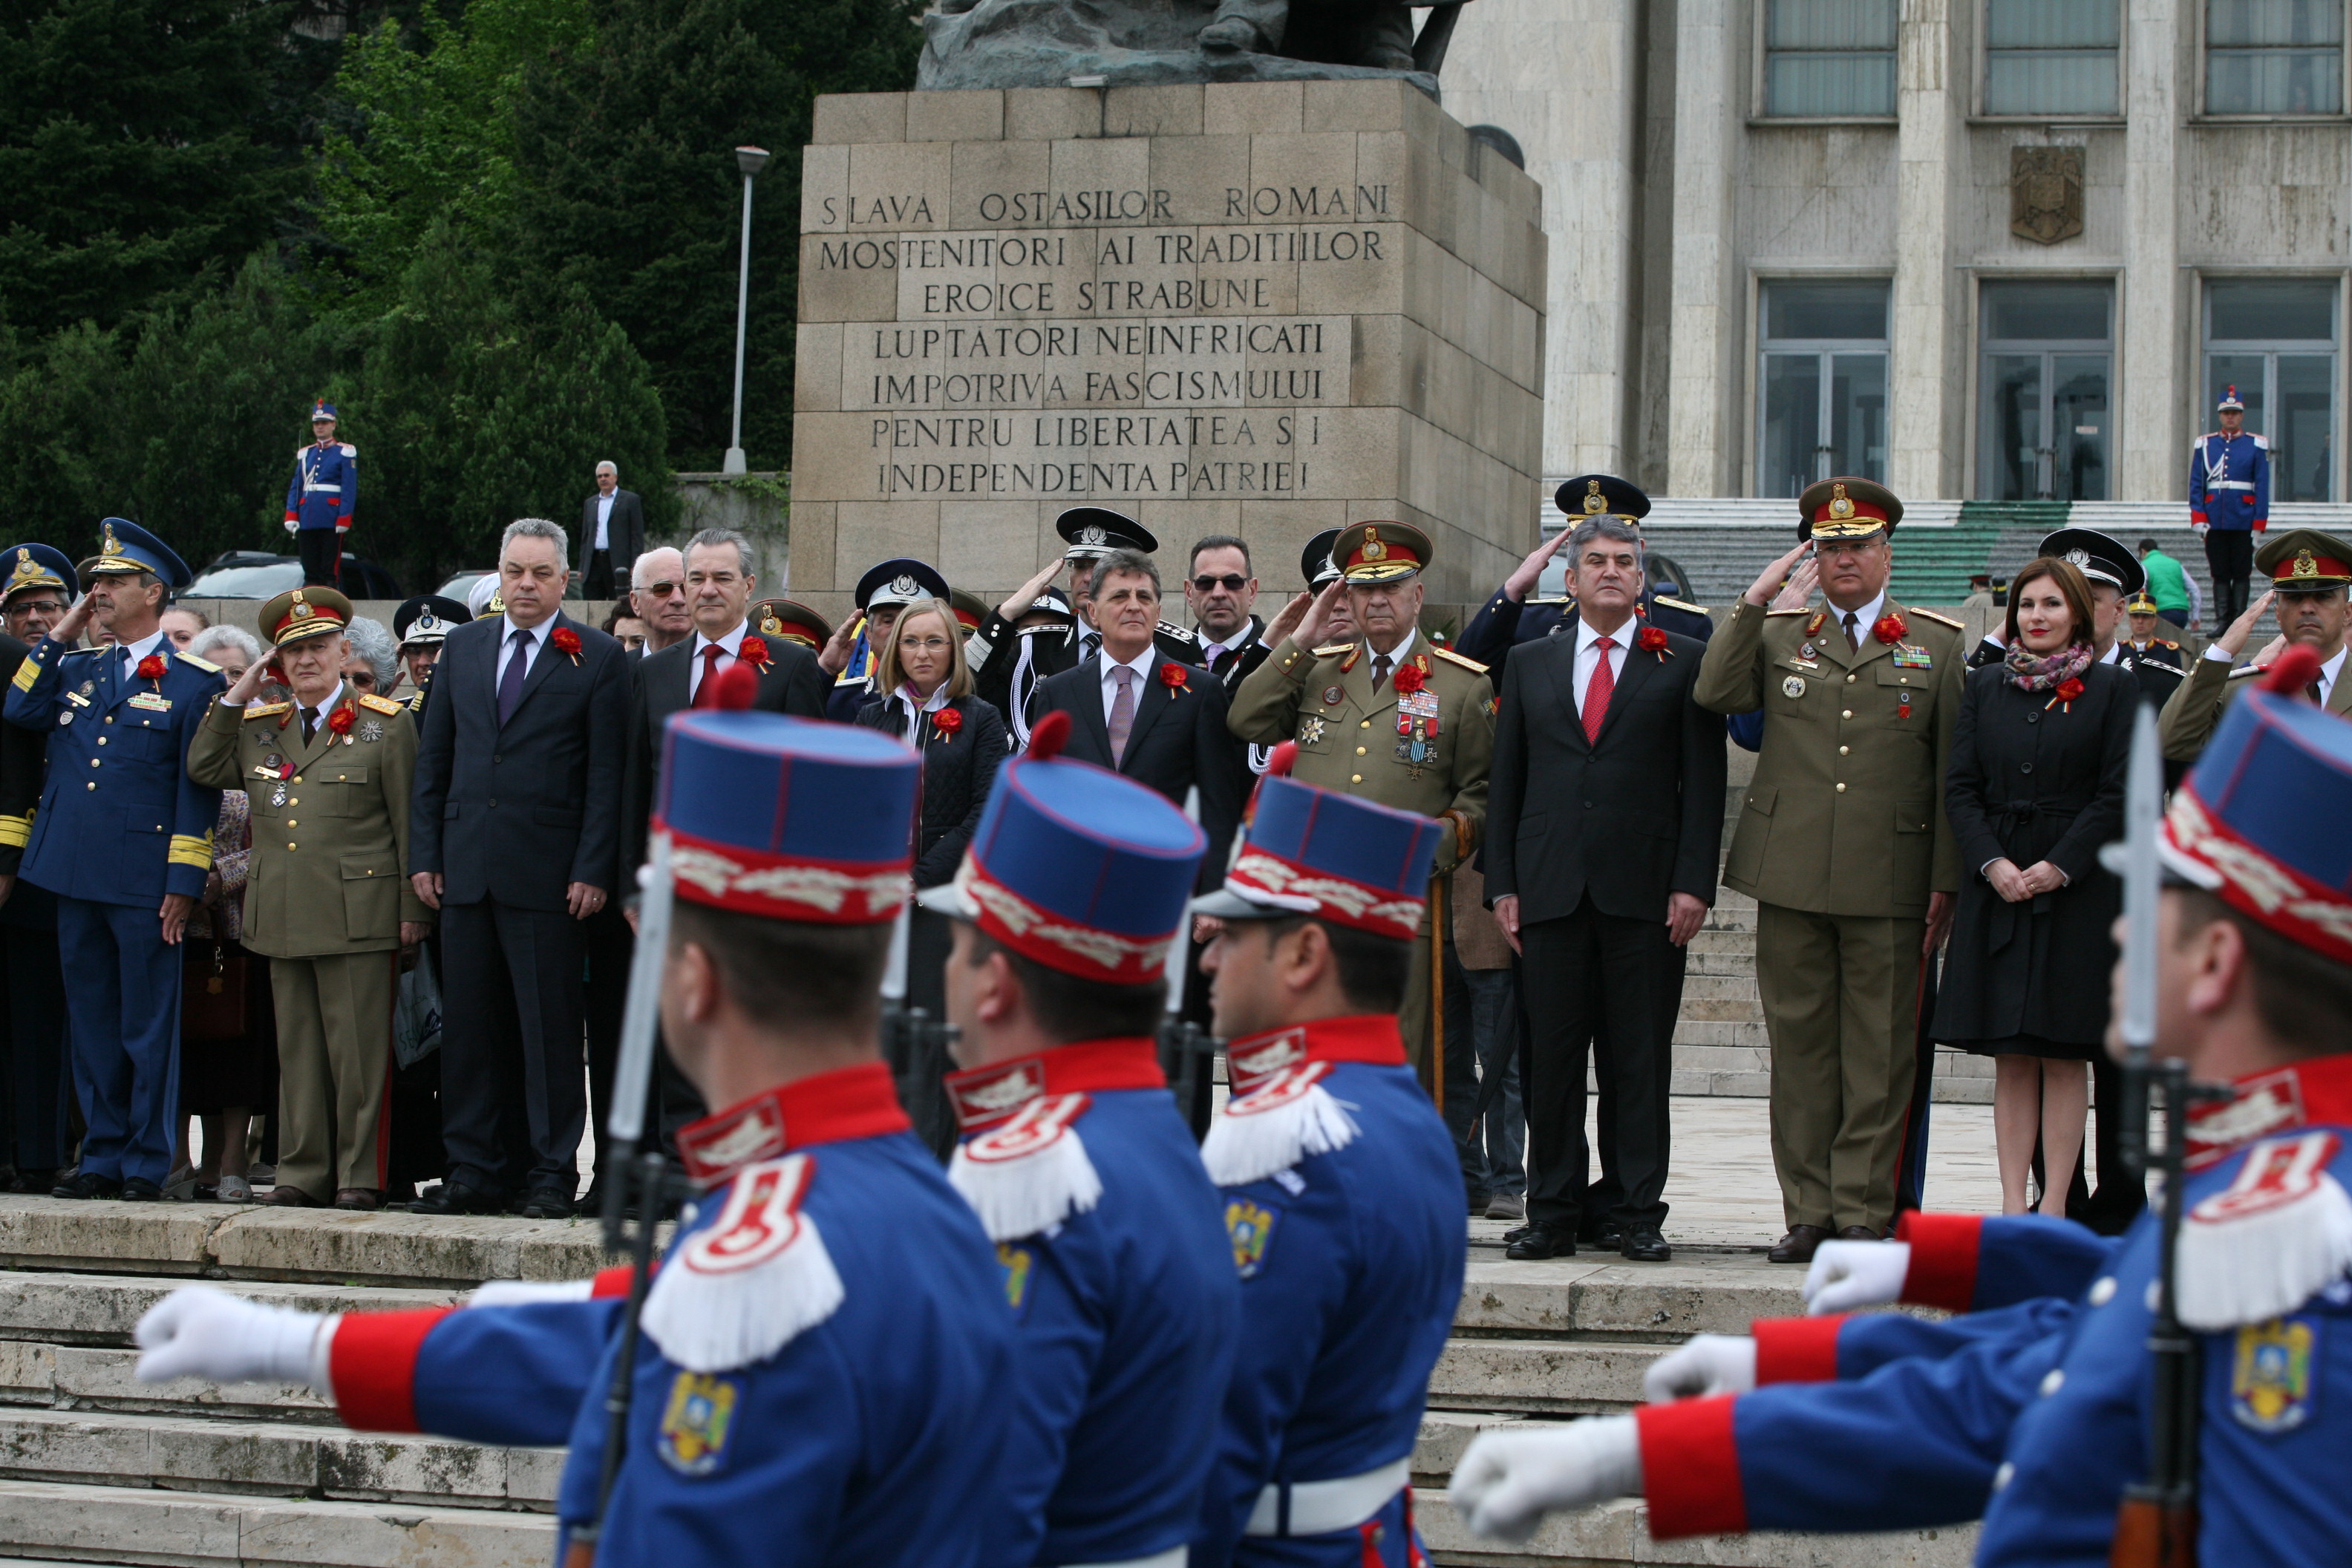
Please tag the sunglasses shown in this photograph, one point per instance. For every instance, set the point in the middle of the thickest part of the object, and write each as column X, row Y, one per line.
column 1232, row 582
column 663, row 590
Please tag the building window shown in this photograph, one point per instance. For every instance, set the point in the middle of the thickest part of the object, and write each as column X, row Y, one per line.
column 2051, row 57
column 2274, row 57
column 2274, row 341
column 1823, row 385
column 1828, row 57
column 2045, row 430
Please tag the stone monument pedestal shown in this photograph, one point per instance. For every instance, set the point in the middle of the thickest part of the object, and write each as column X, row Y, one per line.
column 1263, row 308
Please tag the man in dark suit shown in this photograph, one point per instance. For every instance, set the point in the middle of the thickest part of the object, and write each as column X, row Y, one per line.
column 611, row 534
column 1604, row 829
column 1129, row 713
column 515, row 837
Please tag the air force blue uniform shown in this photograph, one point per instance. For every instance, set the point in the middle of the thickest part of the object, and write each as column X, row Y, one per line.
column 118, row 827
column 2230, row 480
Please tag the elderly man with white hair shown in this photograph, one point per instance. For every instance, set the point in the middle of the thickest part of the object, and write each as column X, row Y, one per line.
column 612, row 528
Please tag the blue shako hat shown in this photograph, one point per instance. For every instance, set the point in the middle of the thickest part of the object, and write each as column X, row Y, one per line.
column 30, row 566
column 1337, row 857
column 790, row 819
column 1077, row 867
column 124, row 546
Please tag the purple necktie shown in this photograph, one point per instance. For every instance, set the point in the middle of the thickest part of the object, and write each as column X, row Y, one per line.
column 1122, row 712
column 511, row 682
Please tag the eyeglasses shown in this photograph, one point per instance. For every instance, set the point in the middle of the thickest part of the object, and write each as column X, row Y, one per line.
column 932, row 644
column 1232, row 582
column 663, row 590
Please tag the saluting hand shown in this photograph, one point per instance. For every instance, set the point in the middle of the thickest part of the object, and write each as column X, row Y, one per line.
column 1025, row 596
column 1759, row 593
column 1801, row 584
column 1523, row 577
column 838, row 647
column 70, row 629
column 2232, row 641
column 248, row 685
column 1318, row 619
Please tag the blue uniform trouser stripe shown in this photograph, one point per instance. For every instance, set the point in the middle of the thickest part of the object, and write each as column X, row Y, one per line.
column 122, row 1002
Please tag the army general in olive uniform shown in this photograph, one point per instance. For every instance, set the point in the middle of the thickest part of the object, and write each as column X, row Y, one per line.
column 1389, row 717
column 2310, row 572
column 326, row 902
column 1843, row 843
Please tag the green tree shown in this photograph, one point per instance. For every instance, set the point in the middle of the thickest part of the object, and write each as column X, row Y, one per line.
column 627, row 185
column 146, row 147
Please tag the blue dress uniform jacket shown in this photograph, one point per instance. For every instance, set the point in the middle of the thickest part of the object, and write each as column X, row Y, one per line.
column 2039, row 1432
column 1125, row 1311
column 325, row 489
column 119, row 820
column 813, row 1388
column 2230, row 480
column 1343, row 1209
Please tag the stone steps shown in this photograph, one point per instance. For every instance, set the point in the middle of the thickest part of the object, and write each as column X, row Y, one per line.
column 94, row 1522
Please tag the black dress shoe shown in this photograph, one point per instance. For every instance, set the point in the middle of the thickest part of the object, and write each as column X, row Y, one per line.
column 87, row 1185
column 1645, row 1244
column 547, row 1203
column 139, row 1190
column 1798, row 1245
column 1541, row 1242
column 457, row 1197
column 36, row 1181
column 1516, row 1231
column 1859, row 1233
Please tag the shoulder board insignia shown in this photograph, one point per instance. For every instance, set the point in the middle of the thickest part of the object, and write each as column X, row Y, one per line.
column 1450, row 656
column 1821, row 618
column 1281, row 1122
column 2279, row 1233
column 1550, row 599
column 2261, row 441
column 1333, row 650
column 2167, row 642
column 299, row 453
column 1030, row 1174
column 350, row 450
column 208, row 665
column 371, row 702
column 1939, row 619
column 742, row 1289
column 1180, row 633
column 265, row 709
column 1355, row 652
column 1679, row 605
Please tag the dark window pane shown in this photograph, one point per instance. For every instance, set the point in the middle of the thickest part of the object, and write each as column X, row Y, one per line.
column 2078, row 451
column 2253, row 23
column 2046, row 312
column 1830, row 24
column 2302, row 461
column 1787, row 458
column 2273, row 309
column 2053, row 24
column 1809, row 312
column 1830, row 84
column 2273, row 81
column 2050, row 82
column 2010, row 438
column 1858, row 415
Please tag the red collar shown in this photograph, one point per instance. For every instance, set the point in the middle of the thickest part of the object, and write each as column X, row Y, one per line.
column 991, row 1096
column 1366, row 1038
column 2316, row 1092
column 830, row 1108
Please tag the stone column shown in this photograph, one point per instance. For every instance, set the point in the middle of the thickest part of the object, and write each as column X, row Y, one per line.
column 2149, row 370
column 1702, row 373
column 1924, row 457
column 1578, row 131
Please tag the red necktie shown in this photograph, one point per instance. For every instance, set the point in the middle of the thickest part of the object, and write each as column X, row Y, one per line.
column 707, row 694
column 1598, row 690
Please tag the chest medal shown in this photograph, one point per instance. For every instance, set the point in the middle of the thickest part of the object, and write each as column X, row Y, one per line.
column 371, row 730
column 277, row 796
column 1310, row 732
column 1793, row 687
column 1333, row 697
column 1416, row 746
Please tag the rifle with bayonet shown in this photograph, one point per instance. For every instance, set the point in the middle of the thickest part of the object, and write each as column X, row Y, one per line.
column 910, row 1036
column 1188, row 1053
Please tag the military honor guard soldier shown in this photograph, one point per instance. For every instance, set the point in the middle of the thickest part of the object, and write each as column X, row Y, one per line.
column 2309, row 573
column 1843, row 844
column 2031, row 1409
column 124, row 838
column 2230, row 502
column 1388, row 717
column 812, row 1387
column 321, row 496
column 1116, row 1264
column 325, row 900
column 1342, row 1186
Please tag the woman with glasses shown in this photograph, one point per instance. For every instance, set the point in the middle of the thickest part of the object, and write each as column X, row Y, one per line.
column 925, row 701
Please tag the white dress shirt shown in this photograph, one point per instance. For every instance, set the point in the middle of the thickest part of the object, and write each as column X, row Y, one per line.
column 732, row 642
column 535, row 638
column 1143, row 664
column 1395, row 656
column 153, row 642
column 1864, row 619
column 2328, row 674
column 1212, row 651
column 604, row 522
column 1588, row 654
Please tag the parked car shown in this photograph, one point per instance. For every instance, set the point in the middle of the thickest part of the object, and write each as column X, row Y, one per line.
column 461, row 583
column 258, row 575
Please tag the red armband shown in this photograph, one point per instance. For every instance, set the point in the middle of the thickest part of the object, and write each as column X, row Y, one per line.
column 1943, row 1258
column 372, row 1365
column 1690, row 1468
column 1796, row 1350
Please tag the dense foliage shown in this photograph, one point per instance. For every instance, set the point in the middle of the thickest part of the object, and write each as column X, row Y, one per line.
column 501, row 235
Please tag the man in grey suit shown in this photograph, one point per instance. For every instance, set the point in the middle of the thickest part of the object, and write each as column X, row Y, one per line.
column 515, row 838
column 612, row 528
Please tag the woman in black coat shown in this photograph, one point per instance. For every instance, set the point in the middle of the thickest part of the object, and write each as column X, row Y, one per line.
column 2036, row 787
column 927, row 702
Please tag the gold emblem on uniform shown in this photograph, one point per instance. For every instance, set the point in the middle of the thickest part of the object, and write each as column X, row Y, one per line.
column 772, row 627
column 2304, row 565
column 112, row 546
column 1840, row 504
column 1310, row 732
column 1592, row 497
column 301, row 610
column 1373, row 549
column 694, row 1425
column 2269, row 1376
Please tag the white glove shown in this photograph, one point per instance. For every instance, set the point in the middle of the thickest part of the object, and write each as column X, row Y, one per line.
column 292, row 526
column 200, row 1331
column 1848, row 1275
column 527, row 1292
column 1709, row 1365
column 2198, row 528
column 1511, row 1478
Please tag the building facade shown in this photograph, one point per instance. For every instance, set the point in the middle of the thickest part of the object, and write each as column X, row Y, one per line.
column 1978, row 249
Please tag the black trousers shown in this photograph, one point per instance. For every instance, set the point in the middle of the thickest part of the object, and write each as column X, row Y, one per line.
column 596, row 582
column 36, row 1087
column 2230, row 553
column 1591, row 976
column 513, row 1101
column 321, row 550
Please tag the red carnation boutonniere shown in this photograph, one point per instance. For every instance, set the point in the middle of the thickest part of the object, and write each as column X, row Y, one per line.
column 1408, row 679
column 151, row 667
column 752, row 651
column 1652, row 640
column 567, row 642
column 1172, row 677
column 946, row 723
column 2068, row 689
column 340, row 720
column 1890, row 628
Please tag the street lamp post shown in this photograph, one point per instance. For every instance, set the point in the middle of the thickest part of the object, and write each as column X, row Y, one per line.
column 751, row 160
